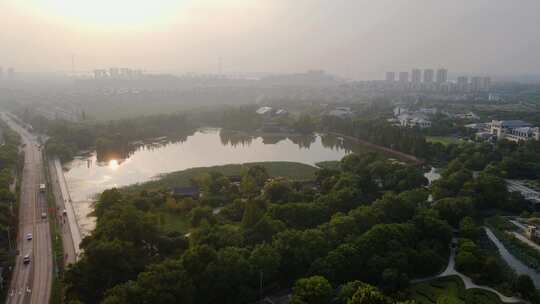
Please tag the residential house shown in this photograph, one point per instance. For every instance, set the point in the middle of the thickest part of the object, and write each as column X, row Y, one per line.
column 184, row 192
column 414, row 120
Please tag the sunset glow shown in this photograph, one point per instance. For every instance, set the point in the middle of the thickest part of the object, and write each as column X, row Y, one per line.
column 106, row 14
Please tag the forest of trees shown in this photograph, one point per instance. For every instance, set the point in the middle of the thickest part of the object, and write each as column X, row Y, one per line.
column 368, row 226
column 114, row 139
column 362, row 231
column 108, row 138
column 512, row 160
column 10, row 163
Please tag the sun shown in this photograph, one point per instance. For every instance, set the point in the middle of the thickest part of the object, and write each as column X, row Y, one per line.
column 113, row 164
column 110, row 14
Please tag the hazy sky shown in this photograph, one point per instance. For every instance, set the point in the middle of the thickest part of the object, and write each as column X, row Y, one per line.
column 357, row 38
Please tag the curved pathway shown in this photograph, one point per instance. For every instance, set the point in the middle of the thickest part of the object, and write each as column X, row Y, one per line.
column 514, row 263
column 451, row 271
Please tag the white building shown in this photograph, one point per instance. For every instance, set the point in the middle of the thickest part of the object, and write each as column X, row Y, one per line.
column 265, row 111
column 399, row 110
column 514, row 130
column 414, row 120
column 523, row 134
column 469, row 116
column 429, row 111
column 341, row 112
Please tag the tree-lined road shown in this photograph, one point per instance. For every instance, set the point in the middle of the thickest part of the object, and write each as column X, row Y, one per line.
column 31, row 283
column 71, row 235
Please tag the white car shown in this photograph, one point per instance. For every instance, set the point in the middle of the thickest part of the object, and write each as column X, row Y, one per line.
column 26, row 259
column 28, row 236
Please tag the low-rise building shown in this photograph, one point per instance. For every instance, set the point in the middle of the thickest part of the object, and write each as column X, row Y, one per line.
column 282, row 112
column 406, row 118
column 481, row 126
column 468, row 116
column 532, row 232
column 265, row 111
column 523, row 134
column 514, row 130
column 341, row 112
column 184, row 192
column 429, row 111
column 414, row 120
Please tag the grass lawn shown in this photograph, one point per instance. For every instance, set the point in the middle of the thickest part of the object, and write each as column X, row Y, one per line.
column 291, row 170
column 452, row 289
column 174, row 222
column 445, row 140
column 331, row 164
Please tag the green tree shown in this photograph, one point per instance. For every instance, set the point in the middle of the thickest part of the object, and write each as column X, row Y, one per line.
column 525, row 286
column 165, row 283
column 304, row 124
column 469, row 229
column 454, row 209
column 312, row 290
column 253, row 212
column 348, row 290
column 369, row 295
column 265, row 259
column 200, row 214
column 277, row 190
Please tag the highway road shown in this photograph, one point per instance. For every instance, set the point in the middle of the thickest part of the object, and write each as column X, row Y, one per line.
column 31, row 283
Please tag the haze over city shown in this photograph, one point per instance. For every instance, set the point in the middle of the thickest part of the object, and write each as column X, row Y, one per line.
column 354, row 39
column 269, row 151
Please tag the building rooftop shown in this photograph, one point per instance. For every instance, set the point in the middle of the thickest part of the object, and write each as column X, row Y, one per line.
column 186, row 191
column 526, row 129
column 340, row 113
column 512, row 124
column 264, row 110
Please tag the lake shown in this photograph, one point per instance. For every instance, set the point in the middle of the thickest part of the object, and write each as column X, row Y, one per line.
column 90, row 175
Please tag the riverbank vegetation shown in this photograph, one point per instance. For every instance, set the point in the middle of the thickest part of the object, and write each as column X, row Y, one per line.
column 369, row 221
column 350, row 225
column 111, row 139
column 116, row 138
column 364, row 219
column 184, row 178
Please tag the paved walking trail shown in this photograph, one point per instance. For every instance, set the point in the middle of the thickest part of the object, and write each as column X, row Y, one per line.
column 63, row 199
column 451, row 271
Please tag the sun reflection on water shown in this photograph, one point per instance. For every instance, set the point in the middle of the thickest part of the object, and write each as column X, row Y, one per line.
column 113, row 164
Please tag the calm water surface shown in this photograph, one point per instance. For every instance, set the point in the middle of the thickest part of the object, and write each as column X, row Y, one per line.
column 86, row 176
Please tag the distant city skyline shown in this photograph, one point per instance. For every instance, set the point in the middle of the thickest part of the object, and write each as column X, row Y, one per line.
column 354, row 39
